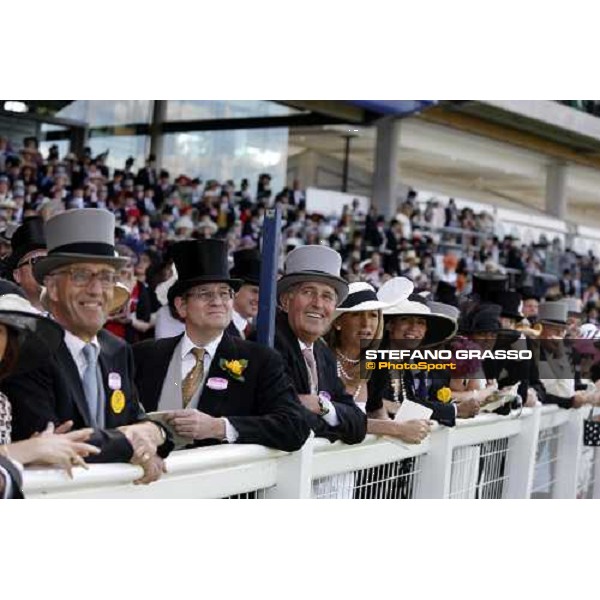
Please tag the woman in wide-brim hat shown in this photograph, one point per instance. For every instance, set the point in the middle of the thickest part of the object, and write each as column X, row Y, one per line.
column 358, row 322
column 26, row 339
column 438, row 327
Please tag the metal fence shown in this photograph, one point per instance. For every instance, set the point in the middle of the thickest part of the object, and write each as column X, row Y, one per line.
column 535, row 453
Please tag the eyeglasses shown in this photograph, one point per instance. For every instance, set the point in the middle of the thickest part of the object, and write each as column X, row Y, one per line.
column 30, row 261
column 207, row 296
column 83, row 277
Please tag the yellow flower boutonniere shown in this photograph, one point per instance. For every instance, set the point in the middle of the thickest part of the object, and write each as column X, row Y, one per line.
column 235, row 368
column 444, row 395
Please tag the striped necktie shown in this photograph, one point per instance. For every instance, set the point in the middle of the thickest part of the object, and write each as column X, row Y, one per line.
column 194, row 377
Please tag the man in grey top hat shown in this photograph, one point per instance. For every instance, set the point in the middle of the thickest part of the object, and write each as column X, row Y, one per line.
column 308, row 293
column 556, row 373
column 89, row 381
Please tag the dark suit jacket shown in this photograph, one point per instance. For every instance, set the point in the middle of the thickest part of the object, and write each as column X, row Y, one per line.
column 264, row 408
column 353, row 422
column 54, row 392
column 15, row 478
column 380, row 387
column 232, row 330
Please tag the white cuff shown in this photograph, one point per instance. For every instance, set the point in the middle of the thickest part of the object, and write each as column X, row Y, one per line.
column 231, row 433
column 331, row 417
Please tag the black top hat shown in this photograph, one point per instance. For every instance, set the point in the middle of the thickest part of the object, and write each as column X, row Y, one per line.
column 486, row 285
column 446, row 293
column 509, row 302
column 200, row 261
column 246, row 266
column 28, row 237
column 528, row 293
column 486, row 318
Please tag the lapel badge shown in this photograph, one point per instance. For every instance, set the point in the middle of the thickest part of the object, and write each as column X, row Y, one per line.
column 217, row 383
column 114, row 381
column 117, row 401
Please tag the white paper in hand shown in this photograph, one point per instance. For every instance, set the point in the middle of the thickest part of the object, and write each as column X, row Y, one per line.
column 410, row 410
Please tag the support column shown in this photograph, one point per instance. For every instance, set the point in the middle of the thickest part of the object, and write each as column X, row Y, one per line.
column 159, row 114
column 556, row 190
column 385, row 178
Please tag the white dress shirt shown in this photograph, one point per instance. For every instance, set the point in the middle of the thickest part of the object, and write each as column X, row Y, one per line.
column 331, row 418
column 188, row 360
column 239, row 322
column 76, row 346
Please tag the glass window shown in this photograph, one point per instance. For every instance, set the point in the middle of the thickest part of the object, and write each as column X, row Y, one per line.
column 224, row 155
column 99, row 113
column 121, row 147
column 184, row 110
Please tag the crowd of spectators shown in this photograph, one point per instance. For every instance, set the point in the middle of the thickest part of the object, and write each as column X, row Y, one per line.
column 178, row 258
column 425, row 241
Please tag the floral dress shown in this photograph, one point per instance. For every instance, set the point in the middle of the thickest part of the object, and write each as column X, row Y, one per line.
column 5, row 420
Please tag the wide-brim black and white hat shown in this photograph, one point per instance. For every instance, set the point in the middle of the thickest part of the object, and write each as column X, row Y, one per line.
column 79, row 235
column 39, row 336
column 313, row 263
column 440, row 327
column 361, row 297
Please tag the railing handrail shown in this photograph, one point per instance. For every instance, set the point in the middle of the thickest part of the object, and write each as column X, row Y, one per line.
column 219, row 471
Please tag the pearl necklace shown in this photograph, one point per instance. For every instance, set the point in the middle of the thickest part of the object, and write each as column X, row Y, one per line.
column 343, row 375
column 350, row 361
column 397, row 387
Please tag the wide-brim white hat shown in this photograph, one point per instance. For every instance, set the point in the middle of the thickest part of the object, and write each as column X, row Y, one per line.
column 440, row 327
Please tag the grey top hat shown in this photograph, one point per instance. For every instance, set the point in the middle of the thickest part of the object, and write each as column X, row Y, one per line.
column 81, row 235
column 313, row 263
column 574, row 306
column 553, row 312
column 447, row 310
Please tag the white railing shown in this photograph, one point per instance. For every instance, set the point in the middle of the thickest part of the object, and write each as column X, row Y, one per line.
column 536, row 453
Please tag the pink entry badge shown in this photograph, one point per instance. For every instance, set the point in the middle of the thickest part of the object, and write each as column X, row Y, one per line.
column 217, row 383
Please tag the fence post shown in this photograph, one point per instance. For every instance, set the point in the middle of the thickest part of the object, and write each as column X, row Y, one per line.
column 267, row 300
column 436, row 466
column 522, row 449
column 294, row 473
column 568, row 453
column 596, row 474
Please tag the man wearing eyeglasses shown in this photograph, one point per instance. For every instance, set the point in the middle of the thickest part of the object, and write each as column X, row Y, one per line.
column 28, row 246
column 89, row 381
column 210, row 386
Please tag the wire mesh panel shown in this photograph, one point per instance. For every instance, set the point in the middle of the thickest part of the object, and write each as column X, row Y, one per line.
column 546, row 458
column 390, row 481
column 479, row 470
column 587, row 472
column 252, row 495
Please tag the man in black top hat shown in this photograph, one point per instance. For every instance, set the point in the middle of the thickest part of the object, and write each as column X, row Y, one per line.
column 246, row 266
column 211, row 386
column 531, row 304
column 28, row 246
